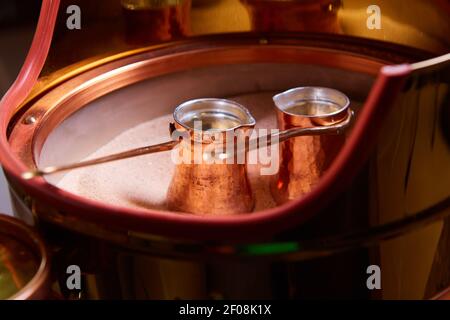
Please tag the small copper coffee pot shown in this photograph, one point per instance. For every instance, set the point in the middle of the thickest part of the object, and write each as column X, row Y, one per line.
column 207, row 181
column 304, row 159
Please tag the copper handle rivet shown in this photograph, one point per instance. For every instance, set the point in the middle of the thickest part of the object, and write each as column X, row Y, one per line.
column 30, row 120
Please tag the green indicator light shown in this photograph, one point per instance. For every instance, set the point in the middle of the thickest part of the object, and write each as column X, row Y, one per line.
column 271, row 248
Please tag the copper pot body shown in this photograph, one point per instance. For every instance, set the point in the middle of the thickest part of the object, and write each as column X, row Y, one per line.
column 211, row 176
column 210, row 189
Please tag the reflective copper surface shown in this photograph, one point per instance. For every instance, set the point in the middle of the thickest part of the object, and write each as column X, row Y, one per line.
column 152, row 21
column 106, row 24
column 294, row 16
column 205, row 183
column 24, row 262
column 303, row 160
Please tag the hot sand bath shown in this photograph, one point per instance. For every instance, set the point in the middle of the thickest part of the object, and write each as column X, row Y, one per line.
column 142, row 182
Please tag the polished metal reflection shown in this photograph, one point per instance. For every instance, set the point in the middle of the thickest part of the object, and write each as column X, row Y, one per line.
column 294, row 16
column 155, row 20
column 213, row 116
column 303, row 160
column 219, row 187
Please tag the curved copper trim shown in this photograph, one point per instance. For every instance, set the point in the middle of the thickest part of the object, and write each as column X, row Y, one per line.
column 310, row 249
column 64, row 100
column 443, row 295
column 38, row 286
column 27, row 77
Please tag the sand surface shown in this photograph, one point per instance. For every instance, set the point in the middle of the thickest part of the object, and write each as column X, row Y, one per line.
column 142, row 182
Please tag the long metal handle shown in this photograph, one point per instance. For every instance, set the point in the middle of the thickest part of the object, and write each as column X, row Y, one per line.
column 169, row 145
column 166, row 146
column 297, row 132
